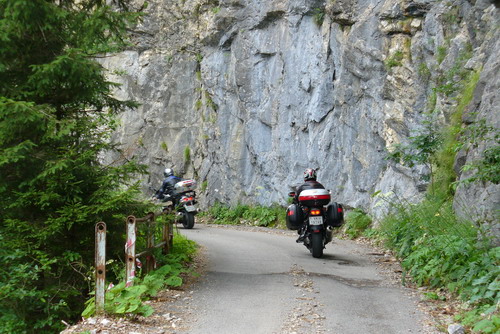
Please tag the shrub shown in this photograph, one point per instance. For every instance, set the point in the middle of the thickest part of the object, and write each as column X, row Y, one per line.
column 356, row 222
column 257, row 216
column 439, row 250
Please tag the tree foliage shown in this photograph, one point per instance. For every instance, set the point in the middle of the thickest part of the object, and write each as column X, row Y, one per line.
column 56, row 116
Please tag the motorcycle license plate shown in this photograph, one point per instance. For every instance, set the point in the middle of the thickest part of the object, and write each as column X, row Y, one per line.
column 190, row 208
column 316, row 220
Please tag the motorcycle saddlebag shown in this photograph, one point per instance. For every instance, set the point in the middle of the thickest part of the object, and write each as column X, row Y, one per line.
column 335, row 214
column 294, row 217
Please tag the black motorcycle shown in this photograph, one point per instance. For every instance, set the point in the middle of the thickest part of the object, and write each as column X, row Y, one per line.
column 314, row 219
column 183, row 201
column 186, row 206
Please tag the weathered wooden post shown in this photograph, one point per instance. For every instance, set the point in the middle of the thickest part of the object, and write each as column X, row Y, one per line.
column 165, row 238
column 130, row 250
column 100, row 265
column 150, row 242
column 170, row 235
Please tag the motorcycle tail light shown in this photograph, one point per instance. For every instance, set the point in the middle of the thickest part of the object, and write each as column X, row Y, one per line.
column 339, row 210
column 315, row 212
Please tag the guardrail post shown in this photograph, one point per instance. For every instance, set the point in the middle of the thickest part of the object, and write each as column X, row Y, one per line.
column 100, row 265
column 130, row 250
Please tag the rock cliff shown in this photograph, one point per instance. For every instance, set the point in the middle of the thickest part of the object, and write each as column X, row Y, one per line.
column 243, row 95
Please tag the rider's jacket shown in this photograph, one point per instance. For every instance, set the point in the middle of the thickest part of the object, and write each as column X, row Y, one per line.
column 309, row 184
column 168, row 187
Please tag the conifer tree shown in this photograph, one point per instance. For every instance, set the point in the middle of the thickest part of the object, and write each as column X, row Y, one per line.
column 56, row 116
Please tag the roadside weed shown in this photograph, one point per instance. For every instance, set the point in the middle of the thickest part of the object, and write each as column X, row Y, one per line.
column 273, row 216
column 356, row 222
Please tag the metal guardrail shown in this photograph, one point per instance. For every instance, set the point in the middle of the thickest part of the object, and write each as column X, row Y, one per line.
column 130, row 251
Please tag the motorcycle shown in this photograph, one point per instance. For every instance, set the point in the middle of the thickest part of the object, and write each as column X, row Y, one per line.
column 314, row 218
column 183, row 201
column 186, row 206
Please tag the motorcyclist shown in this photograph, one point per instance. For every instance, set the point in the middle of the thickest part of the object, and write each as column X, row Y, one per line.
column 167, row 190
column 309, row 183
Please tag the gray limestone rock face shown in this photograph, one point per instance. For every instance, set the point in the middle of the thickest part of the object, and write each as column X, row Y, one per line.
column 256, row 91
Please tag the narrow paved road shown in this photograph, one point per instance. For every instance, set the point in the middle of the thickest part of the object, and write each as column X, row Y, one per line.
column 263, row 282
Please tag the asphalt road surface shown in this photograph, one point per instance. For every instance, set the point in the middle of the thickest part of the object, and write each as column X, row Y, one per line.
column 261, row 281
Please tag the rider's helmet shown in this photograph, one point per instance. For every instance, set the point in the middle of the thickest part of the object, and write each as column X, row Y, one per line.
column 310, row 174
column 168, row 172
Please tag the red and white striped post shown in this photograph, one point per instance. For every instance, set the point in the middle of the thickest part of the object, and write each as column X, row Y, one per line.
column 130, row 250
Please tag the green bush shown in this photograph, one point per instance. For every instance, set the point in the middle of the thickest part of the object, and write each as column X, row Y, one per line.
column 439, row 250
column 257, row 216
column 356, row 222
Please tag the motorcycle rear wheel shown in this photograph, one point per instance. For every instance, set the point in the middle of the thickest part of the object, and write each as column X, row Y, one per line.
column 188, row 220
column 317, row 245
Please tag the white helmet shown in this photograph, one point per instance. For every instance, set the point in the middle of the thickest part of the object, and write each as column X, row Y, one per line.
column 310, row 174
column 168, row 172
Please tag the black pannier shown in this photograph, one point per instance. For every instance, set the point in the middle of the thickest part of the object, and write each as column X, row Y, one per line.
column 335, row 214
column 294, row 217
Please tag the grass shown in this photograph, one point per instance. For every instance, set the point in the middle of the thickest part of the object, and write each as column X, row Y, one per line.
column 395, row 59
column 319, row 16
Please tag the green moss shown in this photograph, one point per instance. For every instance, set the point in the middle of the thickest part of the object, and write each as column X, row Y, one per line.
column 444, row 159
column 467, row 95
column 423, row 71
column 431, row 104
column 198, row 104
column 395, row 59
column 164, row 146
column 187, row 154
column 441, row 53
